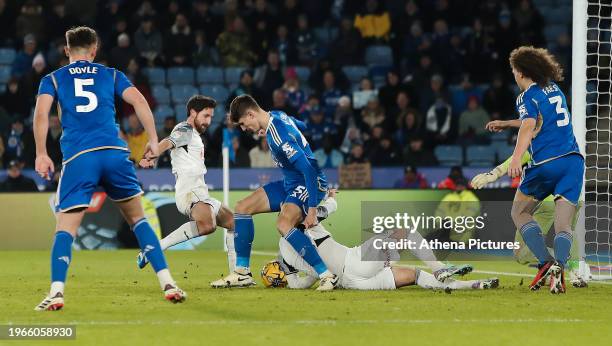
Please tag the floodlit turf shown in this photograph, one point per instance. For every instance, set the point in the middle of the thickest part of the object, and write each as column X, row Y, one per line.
column 114, row 303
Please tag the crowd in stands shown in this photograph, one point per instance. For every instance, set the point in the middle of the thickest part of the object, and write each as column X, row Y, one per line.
column 385, row 82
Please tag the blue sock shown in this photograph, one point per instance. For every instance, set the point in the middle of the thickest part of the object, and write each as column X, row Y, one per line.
column 304, row 247
column 149, row 244
column 535, row 241
column 563, row 244
column 61, row 255
column 243, row 239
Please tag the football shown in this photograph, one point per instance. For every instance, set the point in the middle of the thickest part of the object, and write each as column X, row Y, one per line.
column 272, row 275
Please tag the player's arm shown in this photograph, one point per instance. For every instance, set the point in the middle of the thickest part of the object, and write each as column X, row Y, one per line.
column 148, row 161
column 500, row 125
column 180, row 136
column 528, row 115
column 44, row 102
column 132, row 96
column 482, row 179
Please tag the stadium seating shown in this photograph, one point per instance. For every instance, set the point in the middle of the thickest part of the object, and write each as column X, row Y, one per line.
column 480, row 155
column 156, row 75
column 5, row 74
column 551, row 32
column 180, row 111
column 161, row 94
column 379, row 55
column 449, row 155
column 503, row 151
column 303, row 73
column 232, row 75
column 218, row 92
column 218, row 118
column 209, row 75
column 355, row 73
column 161, row 112
column 180, row 75
column 182, row 93
column 7, row 55
column 325, row 35
column 378, row 74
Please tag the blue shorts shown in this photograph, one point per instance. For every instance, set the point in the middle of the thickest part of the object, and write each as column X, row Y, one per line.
column 561, row 177
column 108, row 168
column 298, row 195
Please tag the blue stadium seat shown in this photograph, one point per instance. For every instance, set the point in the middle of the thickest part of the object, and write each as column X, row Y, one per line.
column 232, row 75
column 180, row 75
column 503, row 151
column 156, row 75
column 378, row 73
column 209, row 75
column 379, row 55
column 355, row 73
column 559, row 15
column 218, row 92
column 449, row 155
column 161, row 94
column 2, row 88
column 551, row 32
column 7, row 55
column 480, row 155
column 161, row 112
column 325, row 35
column 182, row 93
column 499, row 137
column 218, row 118
column 302, row 72
column 180, row 112
column 5, row 74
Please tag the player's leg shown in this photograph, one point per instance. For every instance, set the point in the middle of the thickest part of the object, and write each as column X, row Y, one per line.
column 523, row 208
column 225, row 219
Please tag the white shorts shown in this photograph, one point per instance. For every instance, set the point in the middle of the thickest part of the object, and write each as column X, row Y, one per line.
column 366, row 275
column 190, row 190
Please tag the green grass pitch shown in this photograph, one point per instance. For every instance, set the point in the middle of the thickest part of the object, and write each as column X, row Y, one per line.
column 114, row 303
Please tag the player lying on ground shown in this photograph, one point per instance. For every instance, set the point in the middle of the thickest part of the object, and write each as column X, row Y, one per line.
column 556, row 167
column 191, row 192
column 296, row 196
column 94, row 155
column 544, row 215
column 356, row 273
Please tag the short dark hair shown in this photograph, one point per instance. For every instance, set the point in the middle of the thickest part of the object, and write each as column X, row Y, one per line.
column 537, row 64
column 81, row 37
column 240, row 105
column 200, row 102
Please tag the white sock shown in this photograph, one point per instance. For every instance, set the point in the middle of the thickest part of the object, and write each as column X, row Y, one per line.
column 165, row 278
column 461, row 285
column 185, row 232
column 231, row 251
column 56, row 286
column 428, row 281
column 325, row 274
column 426, row 255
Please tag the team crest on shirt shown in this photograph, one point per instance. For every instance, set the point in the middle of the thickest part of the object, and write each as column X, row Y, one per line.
column 289, row 150
column 522, row 110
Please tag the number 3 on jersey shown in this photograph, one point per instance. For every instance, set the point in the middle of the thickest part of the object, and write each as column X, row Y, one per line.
column 560, row 110
column 80, row 92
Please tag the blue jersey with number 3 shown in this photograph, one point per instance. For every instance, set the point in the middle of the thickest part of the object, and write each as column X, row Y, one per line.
column 554, row 135
column 85, row 93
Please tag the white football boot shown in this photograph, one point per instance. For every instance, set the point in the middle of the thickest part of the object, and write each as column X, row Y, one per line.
column 240, row 277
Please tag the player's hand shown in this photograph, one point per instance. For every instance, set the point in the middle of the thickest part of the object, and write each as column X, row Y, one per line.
column 496, row 126
column 482, row 179
column 152, row 150
column 515, row 169
column 311, row 218
column 147, row 163
column 44, row 166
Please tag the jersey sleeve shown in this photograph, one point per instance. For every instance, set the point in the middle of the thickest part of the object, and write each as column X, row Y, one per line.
column 121, row 82
column 47, row 87
column 180, row 135
column 299, row 124
column 526, row 107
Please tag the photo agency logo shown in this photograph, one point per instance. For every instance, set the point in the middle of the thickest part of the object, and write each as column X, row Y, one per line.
column 443, row 230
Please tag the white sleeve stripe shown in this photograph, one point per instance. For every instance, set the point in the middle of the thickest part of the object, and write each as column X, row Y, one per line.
column 275, row 136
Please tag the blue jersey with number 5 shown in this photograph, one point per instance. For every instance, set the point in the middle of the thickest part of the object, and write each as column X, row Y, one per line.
column 85, row 93
column 553, row 135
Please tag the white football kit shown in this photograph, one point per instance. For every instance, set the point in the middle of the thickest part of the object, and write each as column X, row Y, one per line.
column 187, row 159
column 340, row 260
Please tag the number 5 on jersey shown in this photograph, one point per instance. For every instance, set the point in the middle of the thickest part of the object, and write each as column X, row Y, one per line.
column 80, row 92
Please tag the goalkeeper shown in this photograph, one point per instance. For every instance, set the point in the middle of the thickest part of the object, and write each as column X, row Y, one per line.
column 544, row 216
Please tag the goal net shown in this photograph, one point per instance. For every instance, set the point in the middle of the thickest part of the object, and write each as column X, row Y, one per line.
column 591, row 96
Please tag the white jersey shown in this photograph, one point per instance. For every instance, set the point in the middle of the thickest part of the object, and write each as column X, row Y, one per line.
column 188, row 152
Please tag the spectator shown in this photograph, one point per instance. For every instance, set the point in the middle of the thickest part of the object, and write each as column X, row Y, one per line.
column 15, row 100
column 430, row 94
column 169, row 124
column 7, row 29
column 260, row 156
column 168, row 17
column 279, row 102
column 372, row 115
column 23, row 60
column 411, row 179
column 479, row 56
column 408, row 128
column 415, row 44
column 121, row 55
column 529, row 23
column 241, row 154
column 203, row 20
column 344, row 117
column 246, row 86
column 330, row 94
column 234, row 45
column 289, row 13
column 317, row 126
column 327, row 156
column 401, row 25
column 387, row 94
column 356, row 155
column 420, row 78
column 440, row 43
column 137, row 138
column 149, row 42
column 364, row 94
column 54, row 135
column 296, row 97
column 204, row 54
column 348, row 46
column 352, row 137
column 283, row 45
column 20, row 144
column 402, row 106
column 141, row 82
column 269, row 77
column 505, row 39
column 472, row 123
column 455, row 179
column 312, row 103
column 384, row 153
column 31, row 21
column 58, row 22
column 179, row 45
column 262, row 39
column 373, row 22
column 498, row 100
column 416, row 154
column 373, row 138
column 438, row 121
column 305, row 44
column 17, row 182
